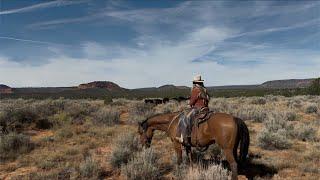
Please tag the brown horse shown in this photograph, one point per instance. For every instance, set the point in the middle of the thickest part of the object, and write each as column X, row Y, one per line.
column 225, row 130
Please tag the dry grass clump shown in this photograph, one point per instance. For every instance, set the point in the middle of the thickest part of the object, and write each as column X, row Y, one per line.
column 144, row 165
column 125, row 147
column 106, row 116
column 214, row 172
column 64, row 132
column 13, row 145
column 312, row 160
column 139, row 111
column 259, row 100
column 90, row 169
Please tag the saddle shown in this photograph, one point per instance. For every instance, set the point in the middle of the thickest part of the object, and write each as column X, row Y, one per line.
column 202, row 116
column 190, row 121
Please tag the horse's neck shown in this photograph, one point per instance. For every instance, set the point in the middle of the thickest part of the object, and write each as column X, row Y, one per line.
column 158, row 125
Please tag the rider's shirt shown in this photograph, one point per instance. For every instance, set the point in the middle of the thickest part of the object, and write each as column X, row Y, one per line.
column 199, row 97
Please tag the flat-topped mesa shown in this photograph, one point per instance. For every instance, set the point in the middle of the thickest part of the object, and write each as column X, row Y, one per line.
column 4, row 89
column 288, row 83
column 101, row 84
column 171, row 86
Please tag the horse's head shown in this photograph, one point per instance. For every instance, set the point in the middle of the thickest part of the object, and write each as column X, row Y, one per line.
column 145, row 134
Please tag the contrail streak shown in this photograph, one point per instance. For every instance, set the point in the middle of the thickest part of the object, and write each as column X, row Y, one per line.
column 30, row 41
column 40, row 6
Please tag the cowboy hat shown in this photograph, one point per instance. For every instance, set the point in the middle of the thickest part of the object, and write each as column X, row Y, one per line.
column 197, row 78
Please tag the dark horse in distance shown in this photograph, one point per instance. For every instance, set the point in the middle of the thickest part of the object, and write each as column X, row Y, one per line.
column 227, row 131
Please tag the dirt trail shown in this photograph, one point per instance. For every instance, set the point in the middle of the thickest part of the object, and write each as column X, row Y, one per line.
column 18, row 172
column 124, row 116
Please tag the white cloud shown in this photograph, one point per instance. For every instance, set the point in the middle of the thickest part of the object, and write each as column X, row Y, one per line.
column 163, row 62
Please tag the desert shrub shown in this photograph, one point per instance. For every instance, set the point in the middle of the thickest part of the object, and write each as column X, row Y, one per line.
column 276, row 132
column 290, row 116
column 167, row 107
column 171, row 106
column 143, row 166
column 251, row 113
column 180, row 171
column 126, row 146
column 277, row 121
column 272, row 98
column 259, row 101
column 305, row 132
column 90, row 168
column 139, row 111
column 294, row 103
column 273, row 140
column 214, row 172
column 12, row 145
column 65, row 132
column 107, row 100
column 244, row 111
column 312, row 108
column 314, row 88
column 46, row 108
column 16, row 116
column 80, row 108
column 46, row 164
column 106, row 116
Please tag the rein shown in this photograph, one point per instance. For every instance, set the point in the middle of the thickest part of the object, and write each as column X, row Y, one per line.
column 176, row 117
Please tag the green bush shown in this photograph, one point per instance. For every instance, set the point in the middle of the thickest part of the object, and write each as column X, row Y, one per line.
column 107, row 100
column 12, row 145
column 314, row 88
column 143, row 166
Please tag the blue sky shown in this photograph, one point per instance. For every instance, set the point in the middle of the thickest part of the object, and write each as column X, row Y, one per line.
column 151, row 43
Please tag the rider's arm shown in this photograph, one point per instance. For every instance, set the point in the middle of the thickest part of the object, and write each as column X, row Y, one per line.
column 194, row 96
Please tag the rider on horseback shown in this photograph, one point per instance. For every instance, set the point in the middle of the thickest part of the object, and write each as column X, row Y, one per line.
column 199, row 103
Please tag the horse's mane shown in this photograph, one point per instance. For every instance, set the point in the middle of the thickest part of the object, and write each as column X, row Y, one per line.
column 144, row 123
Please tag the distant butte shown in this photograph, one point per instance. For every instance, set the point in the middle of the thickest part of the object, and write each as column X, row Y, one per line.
column 4, row 89
column 111, row 86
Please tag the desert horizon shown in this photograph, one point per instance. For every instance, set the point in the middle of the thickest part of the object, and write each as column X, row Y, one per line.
column 159, row 90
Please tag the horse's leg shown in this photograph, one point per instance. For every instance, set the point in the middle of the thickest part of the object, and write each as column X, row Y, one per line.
column 232, row 162
column 178, row 149
column 189, row 154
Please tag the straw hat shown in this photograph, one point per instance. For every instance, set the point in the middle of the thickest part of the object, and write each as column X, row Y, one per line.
column 197, row 78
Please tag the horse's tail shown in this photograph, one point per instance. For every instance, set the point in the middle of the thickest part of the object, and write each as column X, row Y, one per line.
column 243, row 135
